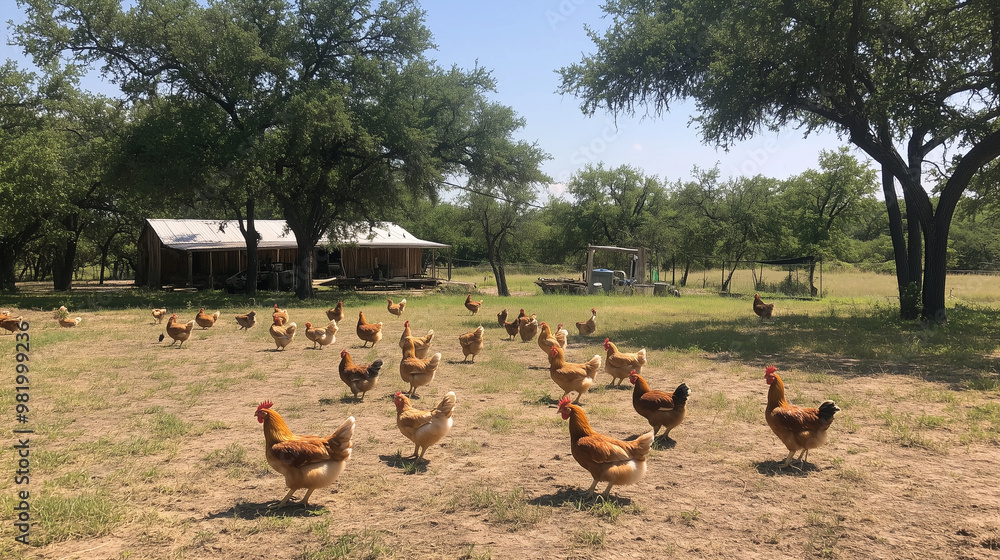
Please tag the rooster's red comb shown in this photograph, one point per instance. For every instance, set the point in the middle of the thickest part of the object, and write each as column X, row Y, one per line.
column 265, row 404
column 563, row 402
column 770, row 369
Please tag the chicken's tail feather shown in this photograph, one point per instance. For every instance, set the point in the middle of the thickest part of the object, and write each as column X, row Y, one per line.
column 681, row 395
column 375, row 367
column 827, row 410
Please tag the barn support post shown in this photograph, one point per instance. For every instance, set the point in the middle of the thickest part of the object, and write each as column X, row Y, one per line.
column 190, row 259
column 211, row 276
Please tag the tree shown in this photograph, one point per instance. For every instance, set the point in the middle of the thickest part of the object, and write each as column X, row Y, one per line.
column 337, row 112
column 613, row 205
column 818, row 203
column 901, row 80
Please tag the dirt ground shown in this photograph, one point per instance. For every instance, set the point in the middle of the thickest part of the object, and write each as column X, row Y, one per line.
column 503, row 483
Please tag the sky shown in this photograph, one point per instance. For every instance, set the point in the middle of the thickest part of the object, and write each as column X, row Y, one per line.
column 524, row 43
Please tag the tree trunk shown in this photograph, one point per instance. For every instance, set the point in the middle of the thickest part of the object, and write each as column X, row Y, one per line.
column 7, row 274
column 249, row 231
column 501, row 275
column 907, row 309
column 687, row 269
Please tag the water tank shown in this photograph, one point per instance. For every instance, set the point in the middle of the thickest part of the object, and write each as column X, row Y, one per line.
column 602, row 276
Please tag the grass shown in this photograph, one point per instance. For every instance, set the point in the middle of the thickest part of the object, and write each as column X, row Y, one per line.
column 506, row 508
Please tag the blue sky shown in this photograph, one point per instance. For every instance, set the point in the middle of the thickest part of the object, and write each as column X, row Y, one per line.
column 524, row 42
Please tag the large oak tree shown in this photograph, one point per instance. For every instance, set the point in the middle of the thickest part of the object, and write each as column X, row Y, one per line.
column 903, row 81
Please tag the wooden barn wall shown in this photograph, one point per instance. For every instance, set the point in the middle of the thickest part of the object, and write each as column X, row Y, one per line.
column 361, row 262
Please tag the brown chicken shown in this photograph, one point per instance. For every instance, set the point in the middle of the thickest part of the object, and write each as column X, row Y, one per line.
column 527, row 327
column 10, row 323
column 322, row 336
column 424, row 427
column 396, row 308
column 590, row 325
column 472, row 306
column 421, row 344
column 368, row 332
column 572, row 377
column 281, row 333
column 511, row 329
column 308, row 462
column 68, row 322
column 280, row 314
column 337, row 313
column 247, row 320
column 799, row 428
column 562, row 335
column 415, row 371
column 159, row 314
column 545, row 338
column 359, row 378
column 472, row 343
column 205, row 320
column 502, row 317
column 607, row 459
column 661, row 409
column 177, row 331
column 763, row 310
column 620, row 364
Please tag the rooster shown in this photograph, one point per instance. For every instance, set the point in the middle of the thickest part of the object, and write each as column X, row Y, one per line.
column 572, row 377
column 472, row 343
column 588, row 326
column 308, row 462
column 763, row 310
column 282, row 334
column 322, row 336
column 358, row 378
column 799, row 428
column 415, row 371
column 396, row 308
column 205, row 320
column 472, row 306
column 159, row 314
column 607, row 459
column 421, row 344
column 178, row 331
column 337, row 313
column 620, row 364
column 424, row 427
column 662, row 410
column 247, row 320
column 368, row 332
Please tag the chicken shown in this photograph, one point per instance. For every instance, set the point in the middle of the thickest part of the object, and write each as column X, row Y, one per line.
column 421, row 344
column 308, row 462
column 322, row 336
column 473, row 306
column 396, row 308
column 280, row 313
column 562, row 335
column 472, row 343
column 281, row 333
column 590, row 325
column 337, row 313
column 205, row 320
column 527, row 327
column 67, row 322
column 572, row 377
column 511, row 329
column 10, row 323
column 606, row 459
column 661, row 409
column 368, row 332
column 359, row 378
column 620, row 364
column 177, row 331
column 159, row 314
column 247, row 320
column 60, row 313
column 545, row 338
column 416, row 371
column 763, row 310
column 799, row 428
column 502, row 317
column 424, row 427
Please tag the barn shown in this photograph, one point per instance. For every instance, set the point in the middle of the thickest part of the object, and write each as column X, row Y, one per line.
column 203, row 253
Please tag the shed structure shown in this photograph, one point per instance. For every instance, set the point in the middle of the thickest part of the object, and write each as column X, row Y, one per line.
column 202, row 253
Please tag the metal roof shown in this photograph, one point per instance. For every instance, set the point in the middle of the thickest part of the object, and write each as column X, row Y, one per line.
column 221, row 235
